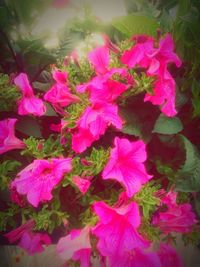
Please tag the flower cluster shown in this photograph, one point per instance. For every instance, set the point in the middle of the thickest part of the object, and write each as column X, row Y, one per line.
column 97, row 187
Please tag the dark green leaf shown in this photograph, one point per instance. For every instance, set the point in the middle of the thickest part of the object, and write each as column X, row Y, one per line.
column 166, row 125
column 133, row 24
column 29, row 126
column 188, row 176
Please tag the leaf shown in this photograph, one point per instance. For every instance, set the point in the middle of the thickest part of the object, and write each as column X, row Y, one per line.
column 188, row 176
column 29, row 126
column 132, row 125
column 166, row 125
column 134, row 24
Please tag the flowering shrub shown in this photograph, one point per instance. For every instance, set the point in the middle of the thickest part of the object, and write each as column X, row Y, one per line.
column 98, row 176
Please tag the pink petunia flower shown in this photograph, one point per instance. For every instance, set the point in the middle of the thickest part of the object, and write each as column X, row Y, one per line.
column 83, row 184
column 39, row 178
column 178, row 217
column 156, row 61
column 76, row 246
column 100, row 59
column 168, row 256
column 164, row 94
column 60, row 77
column 82, row 139
column 93, row 123
column 31, row 242
column 59, row 95
column 8, row 140
column 136, row 258
column 28, row 104
column 109, row 91
column 140, row 54
column 126, row 165
column 117, row 229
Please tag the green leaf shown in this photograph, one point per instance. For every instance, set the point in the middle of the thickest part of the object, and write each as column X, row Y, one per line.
column 134, row 24
column 166, row 125
column 29, row 126
column 188, row 176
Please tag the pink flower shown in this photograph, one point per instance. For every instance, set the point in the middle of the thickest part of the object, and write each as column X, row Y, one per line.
column 39, row 178
column 109, row 92
column 16, row 197
column 82, row 184
column 117, row 229
column 126, row 165
column 98, row 117
column 8, row 140
column 76, row 246
column 59, row 95
column 93, row 123
column 28, row 104
column 136, row 258
column 33, row 242
column 60, row 77
column 139, row 54
column 14, row 235
column 28, row 240
column 177, row 218
column 156, row 61
column 168, row 256
column 82, row 139
column 164, row 94
column 99, row 58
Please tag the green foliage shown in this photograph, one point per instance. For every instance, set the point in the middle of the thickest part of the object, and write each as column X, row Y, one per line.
column 48, row 219
column 196, row 98
column 149, row 232
column 134, row 24
column 80, row 73
column 7, row 218
column 29, row 126
column 166, row 125
column 8, row 94
column 192, row 238
column 74, row 112
column 147, row 200
column 188, row 176
column 95, row 164
column 41, row 148
column 7, row 170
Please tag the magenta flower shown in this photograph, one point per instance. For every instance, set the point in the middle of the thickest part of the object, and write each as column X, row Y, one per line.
column 76, row 246
column 126, row 165
column 28, row 104
column 31, row 242
column 156, row 61
column 60, row 77
column 109, row 91
column 117, row 229
column 168, row 256
column 140, row 54
column 59, row 95
column 164, row 94
column 83, row 184
column 93, row 123
column 178, row 218
column 82, row 139
column 99, row 58
column 39, row 178
column 136, row 258
column 8, row 140
column 14, row 235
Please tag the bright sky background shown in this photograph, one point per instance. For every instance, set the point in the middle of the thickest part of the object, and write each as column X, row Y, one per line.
column 53, row 19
